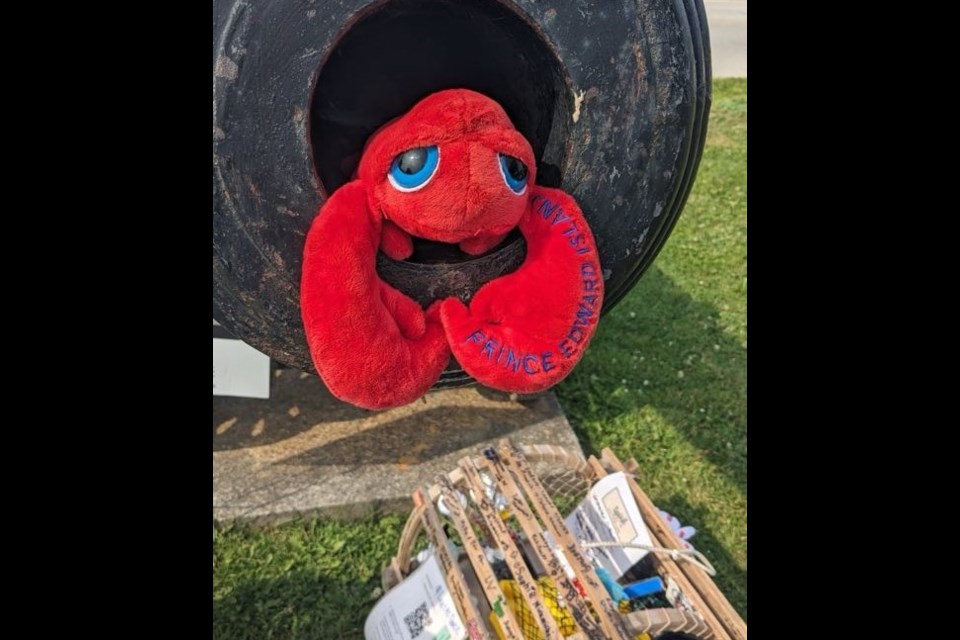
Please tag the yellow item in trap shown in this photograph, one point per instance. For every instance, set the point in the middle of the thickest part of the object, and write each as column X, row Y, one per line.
column 525, row 617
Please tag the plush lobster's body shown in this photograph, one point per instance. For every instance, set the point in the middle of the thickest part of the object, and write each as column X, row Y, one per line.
column 453, row 169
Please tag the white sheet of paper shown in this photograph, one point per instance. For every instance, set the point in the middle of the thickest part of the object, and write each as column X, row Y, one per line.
column 609, row 513
column 419, row 608
column 239, row 370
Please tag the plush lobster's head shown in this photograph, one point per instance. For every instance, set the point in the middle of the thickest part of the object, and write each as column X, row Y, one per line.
column 451, row 169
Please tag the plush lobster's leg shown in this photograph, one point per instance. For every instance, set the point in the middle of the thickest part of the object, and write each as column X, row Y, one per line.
column 525, row 331
column 395, row 242
column 373, row 346
column 481, row 244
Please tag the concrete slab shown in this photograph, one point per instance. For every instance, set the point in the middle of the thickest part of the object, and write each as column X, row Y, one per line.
column 303, row 451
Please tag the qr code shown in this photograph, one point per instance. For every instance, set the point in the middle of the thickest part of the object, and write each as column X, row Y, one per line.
column 417, row 620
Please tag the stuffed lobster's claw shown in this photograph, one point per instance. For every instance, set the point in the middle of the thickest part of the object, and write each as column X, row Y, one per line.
column 525, row 331
column 373, row 346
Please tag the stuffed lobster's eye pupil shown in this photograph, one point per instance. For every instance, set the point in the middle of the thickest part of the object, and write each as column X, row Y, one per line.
column 516, row 169
column 514, row 174
column 412, row 161
column 413, row 169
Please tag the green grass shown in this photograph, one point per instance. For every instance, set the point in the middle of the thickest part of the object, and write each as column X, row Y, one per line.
column 664, row 381
column 309, row 579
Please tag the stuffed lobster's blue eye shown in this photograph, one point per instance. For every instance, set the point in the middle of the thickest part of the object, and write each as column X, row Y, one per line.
column 412, row 169
column 514, row 173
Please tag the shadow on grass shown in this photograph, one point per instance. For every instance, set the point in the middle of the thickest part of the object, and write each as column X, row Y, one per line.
column 661, row 349
column 298, row 604
column 730, row 578
column 310, row 578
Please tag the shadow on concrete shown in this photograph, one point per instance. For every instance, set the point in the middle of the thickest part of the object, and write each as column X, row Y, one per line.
column 298, row 401
column 419, row 437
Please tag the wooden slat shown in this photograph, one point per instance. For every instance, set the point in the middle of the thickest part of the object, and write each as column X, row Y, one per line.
column 610, row 618
column 702, row 592
column 657, row 621
column 526, row 584
column 408, row 538
column 488, row 580
column 555, row 455
column 541, row 547
column 598, row 470
column 476, row 629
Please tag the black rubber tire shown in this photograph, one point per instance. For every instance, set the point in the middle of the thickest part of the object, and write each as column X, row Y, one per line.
column 703, row 75
column 630, row 90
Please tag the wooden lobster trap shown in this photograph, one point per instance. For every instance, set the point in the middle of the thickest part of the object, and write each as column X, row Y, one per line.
column 518, row 498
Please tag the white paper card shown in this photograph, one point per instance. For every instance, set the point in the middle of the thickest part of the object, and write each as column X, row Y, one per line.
column 239, row 370
column 419, row 608
column 609, row 513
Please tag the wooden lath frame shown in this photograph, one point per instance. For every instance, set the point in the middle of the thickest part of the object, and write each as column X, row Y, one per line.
column 533, row 509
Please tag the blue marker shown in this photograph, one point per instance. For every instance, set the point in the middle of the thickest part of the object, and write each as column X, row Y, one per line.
column 644, row 587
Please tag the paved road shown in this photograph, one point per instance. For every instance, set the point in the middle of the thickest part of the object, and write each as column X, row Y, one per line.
column 727, row 20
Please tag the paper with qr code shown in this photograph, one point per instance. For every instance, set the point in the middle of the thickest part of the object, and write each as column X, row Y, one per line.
column 609, row 514
column 419, row 608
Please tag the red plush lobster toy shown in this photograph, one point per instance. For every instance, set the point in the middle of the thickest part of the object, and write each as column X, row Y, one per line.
column 453, row 169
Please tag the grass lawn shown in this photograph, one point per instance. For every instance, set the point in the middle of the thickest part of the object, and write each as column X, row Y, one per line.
column 664, row 381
